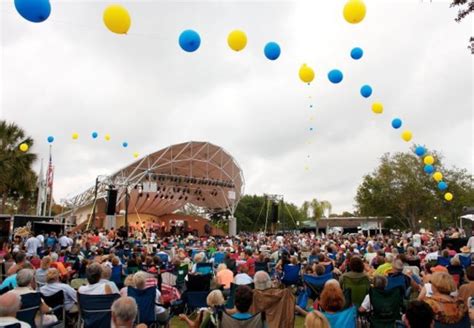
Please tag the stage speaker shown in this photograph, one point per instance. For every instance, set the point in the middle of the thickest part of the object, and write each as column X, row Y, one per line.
column 111, row 201
column 274, row 212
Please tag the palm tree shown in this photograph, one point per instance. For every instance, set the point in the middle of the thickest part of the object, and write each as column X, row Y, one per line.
column 17, row 179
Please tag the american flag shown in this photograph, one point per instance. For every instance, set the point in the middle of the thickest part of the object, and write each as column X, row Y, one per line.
column 50, row 175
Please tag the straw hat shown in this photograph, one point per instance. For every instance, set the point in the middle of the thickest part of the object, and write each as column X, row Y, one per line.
column 465, row 249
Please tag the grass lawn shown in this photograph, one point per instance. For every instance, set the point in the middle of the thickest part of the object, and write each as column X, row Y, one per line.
column 176, row 323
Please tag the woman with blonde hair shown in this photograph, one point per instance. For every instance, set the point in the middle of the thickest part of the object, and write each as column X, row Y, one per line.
column 40, row 274
column 316, row 319
column 207, row 317
column 446, row 308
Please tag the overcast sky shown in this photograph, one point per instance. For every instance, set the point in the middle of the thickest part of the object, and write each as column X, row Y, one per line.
column 70, row 74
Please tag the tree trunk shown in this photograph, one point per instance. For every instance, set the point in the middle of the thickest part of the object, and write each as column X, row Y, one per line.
column 4, row 202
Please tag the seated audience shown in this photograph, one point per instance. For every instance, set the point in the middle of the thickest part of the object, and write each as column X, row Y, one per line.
column 10, row 304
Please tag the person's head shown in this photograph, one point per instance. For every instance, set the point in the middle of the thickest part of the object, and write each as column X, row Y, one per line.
column 20, row 257
column 443, row 283
column 52, row 276
column 45, row 263
column 10, row 304
column 316, row 319
column 389, row 258
column 199, row 257
column 221, row 267
column 24, row 277
column 93, row 273
column 244, row 269
column 139, row 279
column 397, row 265
column 380, row 282
column 332, row 298
column 106, row 272
column 470, row 273
column 54, row 257
column 320, row 269
column 243, row 299
column 455, row 261
column 356, row 264
column 115, row 261
column 262, row 280
column 419, row 315
column 215, row 298
column 124, row 312
column 129, row 281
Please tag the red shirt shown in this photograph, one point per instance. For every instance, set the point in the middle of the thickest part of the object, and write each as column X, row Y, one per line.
column 251, row 265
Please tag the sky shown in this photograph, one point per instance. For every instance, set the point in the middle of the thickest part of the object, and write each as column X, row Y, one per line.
column 70, row 74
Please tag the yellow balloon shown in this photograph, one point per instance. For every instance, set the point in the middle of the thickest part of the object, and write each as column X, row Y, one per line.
column 24, row 147
column 438, row 176
column 135, row 154
column 107, row 137
column 354, row 11
column 237, row 40
column 448, row 196
column 117, row 19
column 428, row 160
column 306, row 73
column 75, row 135
column 377, row 108
column 407, row 135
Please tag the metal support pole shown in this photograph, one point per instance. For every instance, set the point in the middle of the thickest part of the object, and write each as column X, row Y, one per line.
column 95, row 200
column 127, row 202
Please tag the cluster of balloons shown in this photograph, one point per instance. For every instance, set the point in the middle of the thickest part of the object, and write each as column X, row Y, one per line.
column 190, row 40
column 429, row 160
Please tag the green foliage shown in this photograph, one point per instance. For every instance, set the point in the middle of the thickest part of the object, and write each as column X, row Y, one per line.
column 17, row 179
column 400, row 188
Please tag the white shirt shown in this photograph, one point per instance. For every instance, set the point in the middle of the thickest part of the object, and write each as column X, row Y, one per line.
column 112, row 285
column 470, row 243
column 416, row 240
column 242, row 279
column 96, row 289
column 32, row 245
column 432, row 256
column 5, row 321
column 64, row 241
column 41, row 239
column 70, row 295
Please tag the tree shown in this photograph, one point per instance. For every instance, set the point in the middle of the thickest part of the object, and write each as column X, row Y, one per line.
column 399, row 188
column 465, row 8
column 17, row 179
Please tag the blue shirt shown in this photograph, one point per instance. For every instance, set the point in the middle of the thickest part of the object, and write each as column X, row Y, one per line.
column 241, row 316
column 10, row 281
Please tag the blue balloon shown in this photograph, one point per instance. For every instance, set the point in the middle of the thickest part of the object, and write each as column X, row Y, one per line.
column 50, row 139
column 396, row 123
column 272, row 50
column 335, row 76
column 420, row 150
column 357, row 53
column 124, row 144
column 189, row 40
column 95, row 135
column 35, row 11
column 442, row 185
column 366, row 91
column 429, row 169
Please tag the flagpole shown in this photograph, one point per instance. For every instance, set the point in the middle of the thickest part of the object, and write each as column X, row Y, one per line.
column 39, row 204
column 51, row 182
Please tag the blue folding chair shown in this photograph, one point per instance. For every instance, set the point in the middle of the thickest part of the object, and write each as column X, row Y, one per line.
column 56, row 303
column 396, row 281
column 95, row 310
column 291, row 274
column 312, row 259
column 145, row 299
column 315, row 284
column 30, row 304
column 328, row 268
column 444, row 261
column 464, row 323
column 218, row 258
column 195, row 300
column 346, row 318
column 465, row 261
column 116, row 276
column 204, row 268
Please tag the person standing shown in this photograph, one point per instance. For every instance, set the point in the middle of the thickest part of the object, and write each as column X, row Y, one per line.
column 32, row 244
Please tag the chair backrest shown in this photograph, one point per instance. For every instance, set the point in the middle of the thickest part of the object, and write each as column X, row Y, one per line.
column 204, row 268
column 291, row 274
column 358, row 287
column 386, row 306
column 181, row 274
column 116, row 274
column 312, row 259
column 396, row 281
column 30, row 304
column 95, row 310
column 256, row 321
column 444, row 261
column 314, row 284
column 56, row 302
column 145, row 299
column 465, row 261
column 464, row 323
column 195, row 300
column 13, row 325
column 197, row 282
column 219, row 258
column 346, row 318
column 230, row 300
column 328, row 268
column 261, row 266
column 4, row 290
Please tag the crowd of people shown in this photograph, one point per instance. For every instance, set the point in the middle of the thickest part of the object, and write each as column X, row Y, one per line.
column 333, row 280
